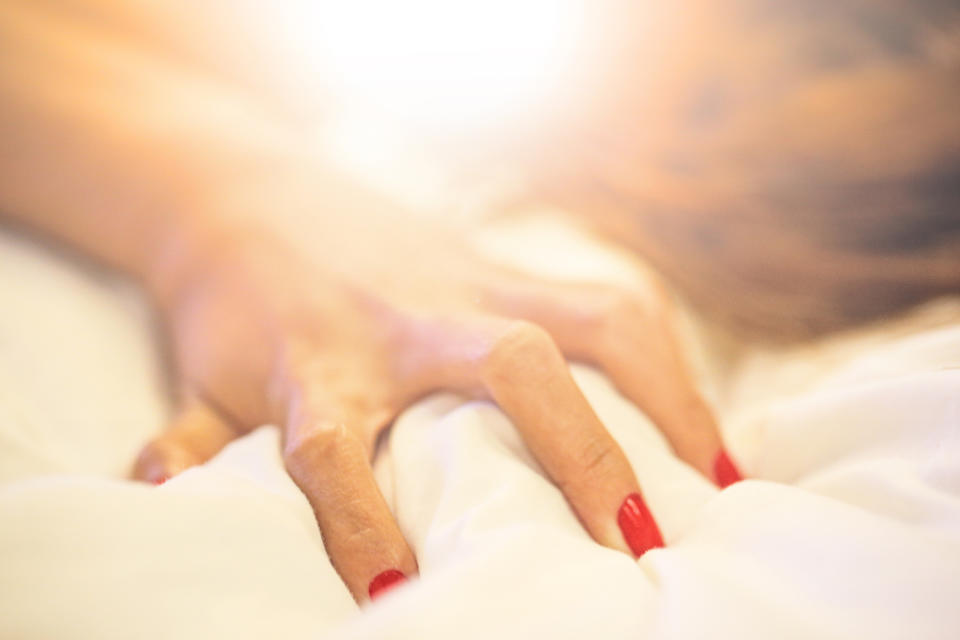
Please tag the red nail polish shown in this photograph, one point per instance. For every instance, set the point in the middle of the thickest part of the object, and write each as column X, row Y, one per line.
column 638, row 526
column 384, row 582
column 160, row 480
column 724, row 471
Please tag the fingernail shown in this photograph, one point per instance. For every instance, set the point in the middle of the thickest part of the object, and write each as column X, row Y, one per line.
column 160, row 480
column 724, row 471
column 384, row 582
column 638, row 526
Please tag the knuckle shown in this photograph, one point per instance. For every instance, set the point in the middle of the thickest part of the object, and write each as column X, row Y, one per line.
column 622, row 317
column 315, row 445
column 619, row 308
column 518, row 341
column 520, row 337
column 598, row 460
column 612, row 312
column 364, row 539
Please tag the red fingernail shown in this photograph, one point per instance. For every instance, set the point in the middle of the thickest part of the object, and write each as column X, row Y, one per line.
column 160, row 480
column 384, row 582
column 724, row 471
column 638, row 526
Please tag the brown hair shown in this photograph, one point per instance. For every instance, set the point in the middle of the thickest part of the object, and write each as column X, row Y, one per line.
column 791, row 169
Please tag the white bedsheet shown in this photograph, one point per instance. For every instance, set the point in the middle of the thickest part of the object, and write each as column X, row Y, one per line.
column 850, row 527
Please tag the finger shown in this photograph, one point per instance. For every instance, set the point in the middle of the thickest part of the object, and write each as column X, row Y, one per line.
column 196, row 434
column 518, row 365
column 632, row 336
column 330, row 463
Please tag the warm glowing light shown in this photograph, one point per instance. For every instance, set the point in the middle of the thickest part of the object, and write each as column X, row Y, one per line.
column 446, row 63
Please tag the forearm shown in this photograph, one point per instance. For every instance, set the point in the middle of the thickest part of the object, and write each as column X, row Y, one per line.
column 109, row 148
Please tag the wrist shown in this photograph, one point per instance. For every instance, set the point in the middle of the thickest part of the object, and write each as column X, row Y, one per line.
column 181, row 247
column 222, row 213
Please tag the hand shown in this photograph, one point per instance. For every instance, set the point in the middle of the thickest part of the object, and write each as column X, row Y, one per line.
column 333, row 347
column 331, row 341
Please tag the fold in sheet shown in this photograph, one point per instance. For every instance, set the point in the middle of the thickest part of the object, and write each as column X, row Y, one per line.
column 849, row 527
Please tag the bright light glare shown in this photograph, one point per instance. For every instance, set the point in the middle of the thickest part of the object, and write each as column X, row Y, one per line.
column 446, row 63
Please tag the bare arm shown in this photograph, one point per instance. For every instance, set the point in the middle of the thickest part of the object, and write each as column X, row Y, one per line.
column 108, row 144
column 168, row 173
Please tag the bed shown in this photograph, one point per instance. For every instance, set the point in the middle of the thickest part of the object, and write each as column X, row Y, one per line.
column 849, row 526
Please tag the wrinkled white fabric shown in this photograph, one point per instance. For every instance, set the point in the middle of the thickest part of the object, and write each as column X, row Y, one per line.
column 850, row 527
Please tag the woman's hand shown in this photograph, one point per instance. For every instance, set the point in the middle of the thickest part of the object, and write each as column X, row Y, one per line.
column 148, row 166
column 332, row 343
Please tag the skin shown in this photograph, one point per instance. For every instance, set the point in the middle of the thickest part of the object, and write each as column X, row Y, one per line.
column 136, row 151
